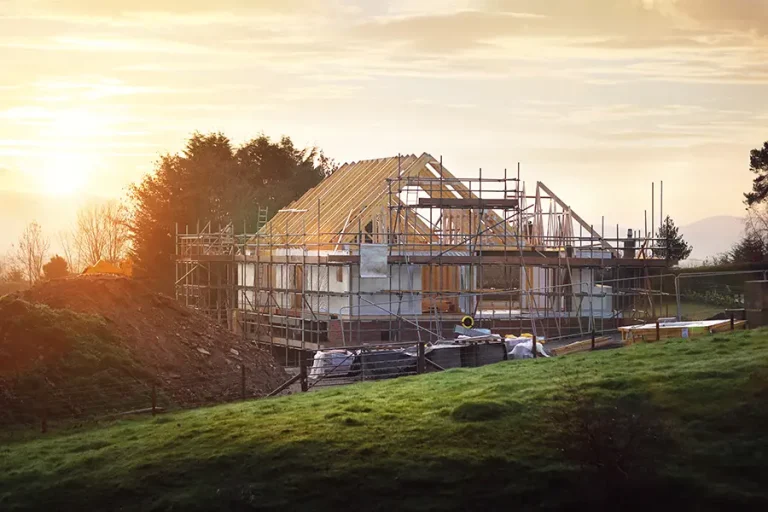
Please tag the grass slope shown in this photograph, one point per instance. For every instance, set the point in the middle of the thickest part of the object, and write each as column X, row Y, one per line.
column 672, row 424
column 695, row 310
column 56, row 358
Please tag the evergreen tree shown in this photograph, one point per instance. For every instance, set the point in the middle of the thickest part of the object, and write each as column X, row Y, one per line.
column 758, row 164
column 56, row 268
column 213, row 181
column 750, row 249
column 670, row 245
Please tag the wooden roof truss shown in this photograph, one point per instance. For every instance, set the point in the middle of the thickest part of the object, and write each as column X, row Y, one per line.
column 375, row 200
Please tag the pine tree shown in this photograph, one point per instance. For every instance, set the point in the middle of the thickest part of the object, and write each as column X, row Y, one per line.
column 213, row 181
column 670, row 245
column 750, row 249
column 758, row 164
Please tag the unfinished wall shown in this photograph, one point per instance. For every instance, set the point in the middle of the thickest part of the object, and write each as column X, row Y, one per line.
column 334, row 289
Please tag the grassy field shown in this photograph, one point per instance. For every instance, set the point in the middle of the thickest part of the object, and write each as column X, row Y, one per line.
column 676, row 424
column 45, row 350
column 695, row 310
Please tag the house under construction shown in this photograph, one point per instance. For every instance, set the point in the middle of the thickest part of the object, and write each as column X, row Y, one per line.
column 400, row 249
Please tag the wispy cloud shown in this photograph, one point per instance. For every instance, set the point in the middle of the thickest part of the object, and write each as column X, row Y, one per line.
column 115, row 8
column 107, row 44
column 604, row 82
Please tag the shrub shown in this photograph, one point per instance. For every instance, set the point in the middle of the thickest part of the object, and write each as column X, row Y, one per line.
column 725, row 299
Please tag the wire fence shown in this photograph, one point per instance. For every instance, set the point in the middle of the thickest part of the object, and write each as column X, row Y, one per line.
column 26, row 402
column 710, row 295
column 42, row 404
column 39, row 401
column 386, row 361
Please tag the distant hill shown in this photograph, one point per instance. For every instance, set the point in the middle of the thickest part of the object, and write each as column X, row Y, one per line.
column 713, row 235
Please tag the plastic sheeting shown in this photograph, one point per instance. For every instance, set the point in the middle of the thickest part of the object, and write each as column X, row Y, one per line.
column 317, row 279
column 524, row 349
column 331, row 363
column 373, row 261
column 375, row 364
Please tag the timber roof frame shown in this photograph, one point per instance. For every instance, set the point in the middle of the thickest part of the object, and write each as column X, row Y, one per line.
column 331, row 212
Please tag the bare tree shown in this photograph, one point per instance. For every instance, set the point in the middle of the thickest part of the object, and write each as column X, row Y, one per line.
column 101, row 232
column 5, row 267
column 14, row 275
column 67, row 242
column 118, row 232
column 31, row 251
column 757, row 221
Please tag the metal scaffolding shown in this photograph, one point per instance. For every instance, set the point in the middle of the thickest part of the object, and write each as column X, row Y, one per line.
column 399, row 250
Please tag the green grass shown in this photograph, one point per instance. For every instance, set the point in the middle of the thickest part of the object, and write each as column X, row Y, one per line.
column 695, row 310
column 685, row 420
column 63, row 362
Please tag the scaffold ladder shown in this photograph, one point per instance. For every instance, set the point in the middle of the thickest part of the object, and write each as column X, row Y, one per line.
column 262, row 217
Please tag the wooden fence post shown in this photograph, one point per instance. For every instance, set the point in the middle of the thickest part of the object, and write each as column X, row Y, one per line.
column 44, row 411
column 733, row 323
column 154, row 400
column 420, row 364
column 658, row 330
column 533, row 346
column 242, row 381
column 593, row 339
column 303, row 372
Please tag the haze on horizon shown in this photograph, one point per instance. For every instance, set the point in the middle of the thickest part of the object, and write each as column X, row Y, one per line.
column 597, row 98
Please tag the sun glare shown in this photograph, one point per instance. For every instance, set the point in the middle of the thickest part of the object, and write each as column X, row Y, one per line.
column 67, row 162
column 65, row 174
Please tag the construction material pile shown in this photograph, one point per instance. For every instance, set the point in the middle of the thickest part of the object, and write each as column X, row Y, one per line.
column 106, row 336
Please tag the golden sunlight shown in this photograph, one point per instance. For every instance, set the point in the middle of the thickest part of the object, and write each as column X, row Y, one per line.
column 66, row 157
column 65, row 173
column 74, row 124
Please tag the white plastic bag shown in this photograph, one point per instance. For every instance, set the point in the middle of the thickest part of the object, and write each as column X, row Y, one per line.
column 331, row 363
column 523, row 350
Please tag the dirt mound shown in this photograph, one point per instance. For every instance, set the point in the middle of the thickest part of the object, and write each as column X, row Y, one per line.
column 92, row 323
column 32, row 335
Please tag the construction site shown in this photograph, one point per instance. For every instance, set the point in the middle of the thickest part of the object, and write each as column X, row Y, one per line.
column 401, row 250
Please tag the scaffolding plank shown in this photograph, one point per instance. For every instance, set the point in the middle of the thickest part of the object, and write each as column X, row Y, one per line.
column 534, row 261
column 450, row 202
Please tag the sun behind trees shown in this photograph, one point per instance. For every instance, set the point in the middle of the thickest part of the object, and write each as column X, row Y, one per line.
column 212, row 180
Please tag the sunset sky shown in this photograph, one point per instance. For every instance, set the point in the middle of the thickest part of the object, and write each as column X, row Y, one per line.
column 597, row 98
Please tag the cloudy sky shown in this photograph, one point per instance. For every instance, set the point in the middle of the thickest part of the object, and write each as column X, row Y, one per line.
column 597, row 98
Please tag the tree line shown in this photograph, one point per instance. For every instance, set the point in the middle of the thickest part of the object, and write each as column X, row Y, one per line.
column 101, row 232
column 210, row 180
